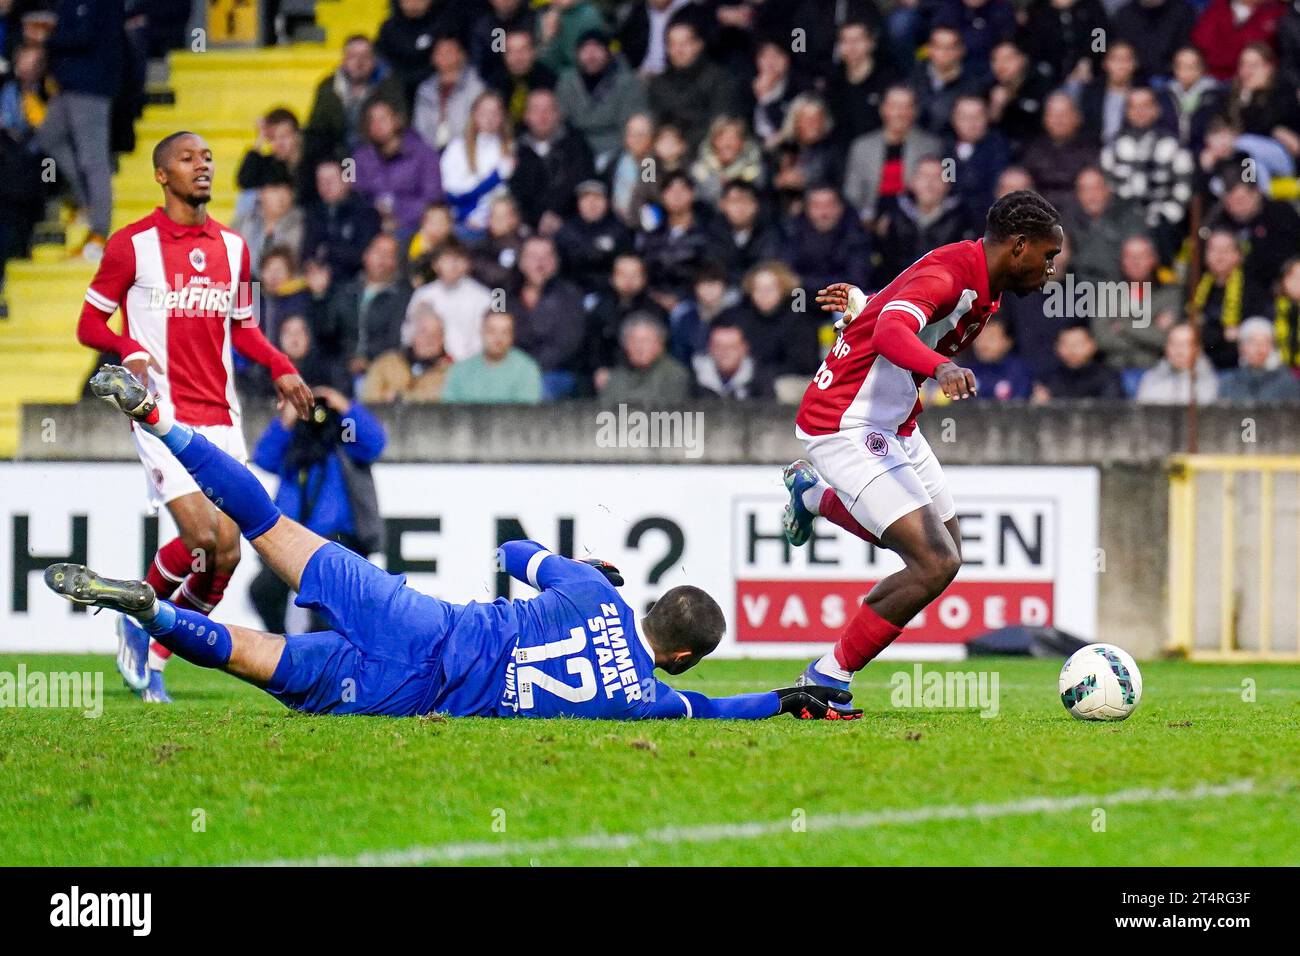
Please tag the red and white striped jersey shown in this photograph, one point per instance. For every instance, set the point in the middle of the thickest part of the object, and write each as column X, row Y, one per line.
column 180, row 289
column 945, row 296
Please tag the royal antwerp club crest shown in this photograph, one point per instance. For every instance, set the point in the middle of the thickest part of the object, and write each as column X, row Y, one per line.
column 877, row 445
column 198, row 260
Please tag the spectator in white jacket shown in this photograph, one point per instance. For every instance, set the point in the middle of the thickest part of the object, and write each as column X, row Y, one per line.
column 1170, row 382
column 460, row 300
column 477, row 166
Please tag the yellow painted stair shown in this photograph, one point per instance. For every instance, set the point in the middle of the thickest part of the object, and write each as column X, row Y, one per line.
column 219, row 94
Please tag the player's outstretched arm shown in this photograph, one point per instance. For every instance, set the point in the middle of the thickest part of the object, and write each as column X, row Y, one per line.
column 532, row 564
column 806, row 703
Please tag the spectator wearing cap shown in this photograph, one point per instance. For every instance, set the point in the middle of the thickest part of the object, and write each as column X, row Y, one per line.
column 726, row 369
column 680, row 245
column 727, row 155
column 1000, row 374
column 339, row 224
column 598, row 94
column 626, row 292
column 1260, row 376
column 518, row 72
column 692, row 90
column 648, row 375
column 397, row 172
column 879, row 163
column 741, row 236
column 546, row 189
column 417, row 372
column 1078, row 372
column 592, row 238
column 549, row 317
column 499, row 375
column 560, row 26
column 443, row 101
column 826, row 243
column 477, row 166
column 457, row 298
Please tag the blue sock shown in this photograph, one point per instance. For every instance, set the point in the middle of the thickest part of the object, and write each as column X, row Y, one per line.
column 196, row 638
column 227, row 484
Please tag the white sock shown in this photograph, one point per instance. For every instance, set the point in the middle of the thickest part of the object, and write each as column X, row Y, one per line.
column 156, row 661
column 166, row 419
column 812, row 497
column 829, row 666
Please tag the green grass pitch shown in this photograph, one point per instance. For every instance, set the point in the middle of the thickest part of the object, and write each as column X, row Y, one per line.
column 1198, row 776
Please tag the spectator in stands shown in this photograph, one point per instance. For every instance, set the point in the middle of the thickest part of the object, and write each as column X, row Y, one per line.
column 443, row 101
column 680, row 245
column 1060, row 152
column 26, row 95
column 782, row 341
column 643, row 32
column 726, row 369
column 1269, row 229
column 1170, row 382
column 397, row 172
column 999, row 373
column 1226, row 27
column 979, row 155
column 1190, row 99
column 591, row 240
column 625, row 170
column 86, row 59
column 339, row 224
column 726, row 155
column 648, row 375
column 561, row 25
column 283, row 290
column 1148, row 166
column 598, row 95
column 692, row 90
column 437, row 226
column 499, row 19
column 273, row 221
column 458, row 299
column 806, row 153
column 1012, row 179
column 880, row 163
column 417, row 372
column 826, row 241
column 1225, row 296
column 1259, row 104
column 1286, row 314
column 691, row 319
column 1079, row 373
column 500, row 374
column 365, row 317
column 518, row 73
column 406, row 39
column 478, row 166
column 1260, row 377
column 496, row 255
column 982, row 24
column 335, row 123
column 277, row 156
column 1036, row 319
column 1059, row 34
column 771, row 93
column 1103, row 101
column 1130, row 327
column 1017, row 95
column 312, row 459
column 940, row 79
column 297, row 341
column 627, row 293
column 1097, row 224
column 548, row 317
column 857, row 88
column 553, row 159
column 741, row 237
column 1155, row 29
column 927, row 216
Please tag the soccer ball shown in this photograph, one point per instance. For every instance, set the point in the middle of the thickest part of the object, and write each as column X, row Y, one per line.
column 1100, row 682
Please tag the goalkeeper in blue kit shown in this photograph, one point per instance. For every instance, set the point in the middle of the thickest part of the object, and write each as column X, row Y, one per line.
column 575, row 650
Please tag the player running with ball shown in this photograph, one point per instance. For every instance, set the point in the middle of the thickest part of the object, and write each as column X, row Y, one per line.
column 575, row 650
column 869, row 470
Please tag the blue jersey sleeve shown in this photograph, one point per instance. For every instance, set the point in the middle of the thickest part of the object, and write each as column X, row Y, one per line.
column 533, row 564
column 669, row 703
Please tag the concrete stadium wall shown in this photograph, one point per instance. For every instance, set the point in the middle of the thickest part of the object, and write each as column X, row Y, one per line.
column 1128, row 443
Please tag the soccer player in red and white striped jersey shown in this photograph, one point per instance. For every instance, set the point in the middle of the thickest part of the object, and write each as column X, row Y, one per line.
column 182, row 282
column 869, row 469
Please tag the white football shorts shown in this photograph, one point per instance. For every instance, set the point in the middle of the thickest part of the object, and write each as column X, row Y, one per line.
column 166, row 478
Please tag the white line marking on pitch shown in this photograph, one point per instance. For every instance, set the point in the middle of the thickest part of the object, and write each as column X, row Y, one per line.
column 712, row 833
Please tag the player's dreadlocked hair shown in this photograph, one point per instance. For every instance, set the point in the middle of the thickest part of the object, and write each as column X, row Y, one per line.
column 1021, row 213
column 686, row 619
column 164, row 144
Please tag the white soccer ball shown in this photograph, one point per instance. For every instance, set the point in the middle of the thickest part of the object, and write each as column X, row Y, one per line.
column 1100, row 682
column 857, row 302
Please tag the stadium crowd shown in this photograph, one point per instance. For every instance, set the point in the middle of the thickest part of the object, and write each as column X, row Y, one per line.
column 500, row 201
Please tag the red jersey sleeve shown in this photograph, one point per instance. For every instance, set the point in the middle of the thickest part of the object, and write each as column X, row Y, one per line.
column 243, row 300
column 116, row 275
column 926, row 294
